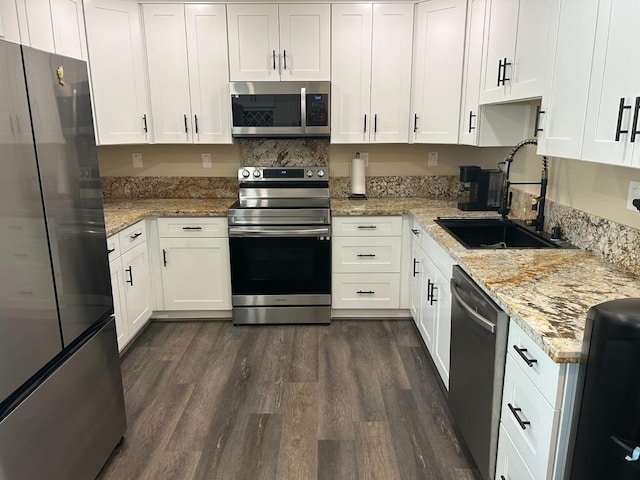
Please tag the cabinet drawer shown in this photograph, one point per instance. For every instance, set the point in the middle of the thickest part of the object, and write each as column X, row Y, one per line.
column 536, row 442
column 510, row 465
column 132, row 236
column 543, row 372
column 353, row 254
column 366, row 226
column 438, row 255
column 365, row 291
column 113, row 247
column 192, row 227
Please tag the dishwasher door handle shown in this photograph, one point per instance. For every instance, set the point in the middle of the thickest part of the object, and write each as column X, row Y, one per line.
column 475, row 316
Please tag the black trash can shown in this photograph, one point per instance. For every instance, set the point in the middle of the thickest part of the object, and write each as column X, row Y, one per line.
column 606, row 428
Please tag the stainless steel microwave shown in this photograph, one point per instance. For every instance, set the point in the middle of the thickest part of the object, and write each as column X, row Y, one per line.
column 280, row 109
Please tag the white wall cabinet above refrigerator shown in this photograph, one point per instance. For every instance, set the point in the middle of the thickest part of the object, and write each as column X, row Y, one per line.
column 55, row 26
column 371, row 72
column 118, row 74
column 9, row 28
column 270, row 42
column 514, row 50
column 188, row 72
column 485, row 125
column 437, row 71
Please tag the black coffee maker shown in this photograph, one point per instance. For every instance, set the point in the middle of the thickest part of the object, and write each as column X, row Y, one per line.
column 484, row 191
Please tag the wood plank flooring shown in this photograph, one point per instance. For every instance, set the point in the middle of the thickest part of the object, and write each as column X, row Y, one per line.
column 352, row 400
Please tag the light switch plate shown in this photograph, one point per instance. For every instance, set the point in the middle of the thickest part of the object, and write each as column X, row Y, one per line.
column 136, row 158
column 432, row 159
column 634, row 192
column 206, row 160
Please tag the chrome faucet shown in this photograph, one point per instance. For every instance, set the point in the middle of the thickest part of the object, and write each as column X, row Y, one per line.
column 538, row 202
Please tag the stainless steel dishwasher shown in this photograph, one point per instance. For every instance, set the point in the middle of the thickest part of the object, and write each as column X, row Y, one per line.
column 478, row 348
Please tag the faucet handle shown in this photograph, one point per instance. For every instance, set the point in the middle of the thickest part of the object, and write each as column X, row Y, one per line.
column 534, row 203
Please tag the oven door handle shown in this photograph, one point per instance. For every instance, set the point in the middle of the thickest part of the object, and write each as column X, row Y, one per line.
column 475, row 316
column 279, row 232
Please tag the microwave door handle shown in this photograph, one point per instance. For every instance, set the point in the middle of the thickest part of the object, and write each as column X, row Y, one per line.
column 303, row 108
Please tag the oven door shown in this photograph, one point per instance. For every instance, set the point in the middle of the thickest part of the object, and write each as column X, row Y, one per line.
column 280, row 265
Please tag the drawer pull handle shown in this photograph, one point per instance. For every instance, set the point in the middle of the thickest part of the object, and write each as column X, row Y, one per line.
column 367, row 227
column 529, row 361
column 130, row 272
column 415, row 231
column 365, row 292
column 366, row 255
column 110, row 250
column 514, row 411
column 135, row 235
column 415, row 262
column 164, row 257
column 502, row 477
column 192, row 228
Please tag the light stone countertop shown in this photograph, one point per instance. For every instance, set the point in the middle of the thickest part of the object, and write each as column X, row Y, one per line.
column 546, row 292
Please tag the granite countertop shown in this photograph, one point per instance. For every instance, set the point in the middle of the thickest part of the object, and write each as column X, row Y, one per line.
column 546, row 292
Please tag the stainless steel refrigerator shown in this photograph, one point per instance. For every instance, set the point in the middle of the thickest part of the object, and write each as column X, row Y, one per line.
column 61, row 399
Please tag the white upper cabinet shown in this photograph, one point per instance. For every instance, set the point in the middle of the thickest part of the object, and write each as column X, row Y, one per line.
column 371, row 73
column 9, row 29
column 188, row 86
column 279, row 42
column 569, row 56
column 612, row 121
column 514, row 50
column 437, row 71
column 208, row 73
column 120, row 95
column 68, row 28
column 55, row 26
column 485, row 125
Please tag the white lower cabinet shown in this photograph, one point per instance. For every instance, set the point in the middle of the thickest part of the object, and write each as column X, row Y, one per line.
column 195, row 263
column 130, row 281
column 536, row 414
column 431, row 297
column 366, row 253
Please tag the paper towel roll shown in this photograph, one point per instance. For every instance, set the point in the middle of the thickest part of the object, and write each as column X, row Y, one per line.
column 358, row 177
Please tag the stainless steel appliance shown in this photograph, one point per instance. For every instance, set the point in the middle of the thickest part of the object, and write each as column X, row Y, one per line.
column 276, row 109
column 61, row 401
column 280, row 246
column 478, row 348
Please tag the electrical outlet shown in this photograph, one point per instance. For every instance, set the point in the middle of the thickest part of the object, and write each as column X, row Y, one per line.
column 206, row 160
column 634, row 192
column 136, row 158
column 365, row 157
column 432, row 159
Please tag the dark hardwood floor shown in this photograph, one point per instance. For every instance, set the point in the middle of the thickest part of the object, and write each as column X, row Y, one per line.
column 352, row 400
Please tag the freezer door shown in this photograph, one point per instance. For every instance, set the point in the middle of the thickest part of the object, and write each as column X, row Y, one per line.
column 67, row 428
column 58, row 89
column 29, row 328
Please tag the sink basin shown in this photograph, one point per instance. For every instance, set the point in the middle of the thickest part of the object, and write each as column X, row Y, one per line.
column 491, row 233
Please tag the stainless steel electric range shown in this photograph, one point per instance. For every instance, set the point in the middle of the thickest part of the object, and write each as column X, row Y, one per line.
column 280, row 245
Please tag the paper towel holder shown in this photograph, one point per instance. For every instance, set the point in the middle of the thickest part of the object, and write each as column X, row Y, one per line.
column 355, row 194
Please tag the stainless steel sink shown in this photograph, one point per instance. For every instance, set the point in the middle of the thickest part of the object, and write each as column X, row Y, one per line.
column 492, row 233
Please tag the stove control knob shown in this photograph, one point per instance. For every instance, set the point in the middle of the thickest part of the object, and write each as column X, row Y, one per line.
column 256, row 173
column 245, row 173
column 321, row 173
column 309, row 173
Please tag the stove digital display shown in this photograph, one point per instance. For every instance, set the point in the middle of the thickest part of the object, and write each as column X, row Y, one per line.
column 283, row 173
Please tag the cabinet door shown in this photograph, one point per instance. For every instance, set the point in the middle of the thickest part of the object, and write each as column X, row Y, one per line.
column 9, row 29
column 351, row 27
column 36, row 28
column 614, row 77
column 437, row 71
column 305, row 42
column 469, row 114
column 120, row 96
column 137, row 288
column 168, row 72
column 196, row 274
column 68, row 28
column 415, row 299
column 568, row 71
column 391, row 72
column 427, row 325
column 119, row 308
column 441, row 300
column 254, row 49
column 499, row 43
column 209, row 73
